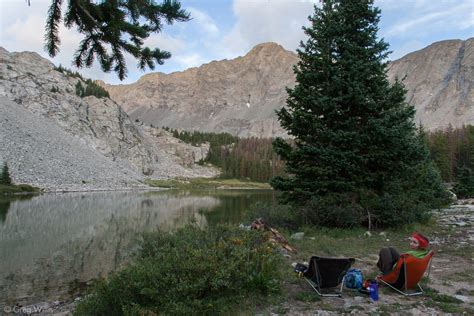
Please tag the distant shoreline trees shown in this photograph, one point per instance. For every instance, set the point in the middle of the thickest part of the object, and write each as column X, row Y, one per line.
column 241, row 158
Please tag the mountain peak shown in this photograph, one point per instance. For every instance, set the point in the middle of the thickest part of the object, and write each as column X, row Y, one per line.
column 266, row 48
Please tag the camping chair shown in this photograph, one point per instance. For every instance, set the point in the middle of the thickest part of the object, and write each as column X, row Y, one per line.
column 407, row 274
column 326, row 273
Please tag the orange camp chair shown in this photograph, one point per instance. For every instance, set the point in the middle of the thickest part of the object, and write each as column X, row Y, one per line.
column 407, row 274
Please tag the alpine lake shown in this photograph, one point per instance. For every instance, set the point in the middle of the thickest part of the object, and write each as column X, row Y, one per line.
column 53, row 246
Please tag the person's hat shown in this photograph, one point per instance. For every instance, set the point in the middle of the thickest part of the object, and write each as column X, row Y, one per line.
column 422, row 240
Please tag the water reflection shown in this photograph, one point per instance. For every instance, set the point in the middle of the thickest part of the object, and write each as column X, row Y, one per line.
column 5, row 202
column 53, row 244
column 4, row 206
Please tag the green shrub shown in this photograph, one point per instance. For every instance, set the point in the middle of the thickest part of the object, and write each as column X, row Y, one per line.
column 464, row 188
column 277, row 216
column 192, row 271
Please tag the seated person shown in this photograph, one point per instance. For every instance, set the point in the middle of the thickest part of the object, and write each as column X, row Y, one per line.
column 389, row 256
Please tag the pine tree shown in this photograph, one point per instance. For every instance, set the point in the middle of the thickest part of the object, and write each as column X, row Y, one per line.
column 464, row 187
column 112, row 28
column 5, row 178
column 356, row 153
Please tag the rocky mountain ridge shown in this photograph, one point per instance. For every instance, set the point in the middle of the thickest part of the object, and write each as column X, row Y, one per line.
column 56, row 140
column 240, row 96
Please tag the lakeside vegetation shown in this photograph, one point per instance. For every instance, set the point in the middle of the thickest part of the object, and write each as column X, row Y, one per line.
column 191, row 272
column 8, row 187
column 206, row 183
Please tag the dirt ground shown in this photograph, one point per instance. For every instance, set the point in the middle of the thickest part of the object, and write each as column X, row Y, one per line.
column 449, row 289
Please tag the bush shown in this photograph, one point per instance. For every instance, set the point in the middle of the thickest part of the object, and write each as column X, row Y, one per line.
column 189, row 272
column 277, row 216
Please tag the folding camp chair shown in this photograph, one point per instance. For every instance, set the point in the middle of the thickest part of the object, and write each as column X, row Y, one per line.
column 326, row 273
column 407, row 274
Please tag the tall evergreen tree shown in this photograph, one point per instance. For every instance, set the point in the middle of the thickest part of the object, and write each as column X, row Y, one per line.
column 5, row 178
column 357, row 155
column 112, row 28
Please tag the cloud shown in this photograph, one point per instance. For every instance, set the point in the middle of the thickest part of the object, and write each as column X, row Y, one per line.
column 432, row 17
column 203, row 22
column 268, row 20
column 189, row 60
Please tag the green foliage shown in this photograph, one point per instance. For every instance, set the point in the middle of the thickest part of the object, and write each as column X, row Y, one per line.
column 451, row 149
column 446, row 303
column 20, row 188
column 356, row 146
column 282, row 216
column 69, row 72
column 91, row 88
column 192, row 271
column 112, row 28
column 79, row 89
column 5, row 178
column 464, row 188
column 241, row 158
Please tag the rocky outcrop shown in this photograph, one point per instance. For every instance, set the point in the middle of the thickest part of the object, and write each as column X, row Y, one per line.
column 184, row 154
column 440, row 82
column 240, row 96
column 54, row 139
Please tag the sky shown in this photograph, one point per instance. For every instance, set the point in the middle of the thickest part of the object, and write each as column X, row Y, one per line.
column 226, row 29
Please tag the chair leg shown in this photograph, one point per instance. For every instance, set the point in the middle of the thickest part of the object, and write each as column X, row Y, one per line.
column 420, row 291
column 321, row 294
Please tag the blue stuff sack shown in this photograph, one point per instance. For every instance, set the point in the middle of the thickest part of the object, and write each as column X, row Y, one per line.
column 353, row 279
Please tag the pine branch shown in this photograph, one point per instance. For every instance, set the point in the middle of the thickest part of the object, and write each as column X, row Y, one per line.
column 107, row 23
column 52, row 28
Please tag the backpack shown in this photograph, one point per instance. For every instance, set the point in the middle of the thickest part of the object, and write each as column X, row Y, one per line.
column 353, row 279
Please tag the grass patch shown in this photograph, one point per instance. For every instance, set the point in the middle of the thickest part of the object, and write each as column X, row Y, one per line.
column 466, row 275
column 446, row 303
column 306, row 297
column 394, row 308
column 192, row 271
column 20, row 188
column 206, row 183
column 463, row 251
column 442, row 298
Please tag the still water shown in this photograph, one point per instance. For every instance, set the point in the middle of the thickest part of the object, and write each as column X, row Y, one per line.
column 53, row 245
